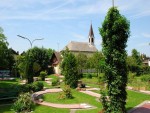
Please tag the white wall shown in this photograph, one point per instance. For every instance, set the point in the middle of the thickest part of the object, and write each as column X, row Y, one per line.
column 149, row 63
column 57, row 69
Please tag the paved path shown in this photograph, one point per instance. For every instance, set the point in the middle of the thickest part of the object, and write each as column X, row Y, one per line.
column 91, row 93
column 70, row 106
column 142, row 108
column 142, row 91
column 48, row 91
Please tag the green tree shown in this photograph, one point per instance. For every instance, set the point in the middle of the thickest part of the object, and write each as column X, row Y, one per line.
column 136, row 55
column 41, row 56
column 97, row 61
column 3, row 50
column 33, row 62
column 69, row 69
column 21, row 66
column 115, row 33
column 6, row 56
column 81, row 62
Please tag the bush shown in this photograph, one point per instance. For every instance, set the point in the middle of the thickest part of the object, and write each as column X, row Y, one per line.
column 101, row 78
column 89, row 76
column 145, row 78
column 66, row 94
column 80, row 75
column 55, row 82
column 131, row 77
column 146, row 69
column 24, row 103
column 94, row 74
column 37, row 86
column 42, row 75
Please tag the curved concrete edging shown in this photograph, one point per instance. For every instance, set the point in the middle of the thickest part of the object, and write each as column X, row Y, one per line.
column 70, row 106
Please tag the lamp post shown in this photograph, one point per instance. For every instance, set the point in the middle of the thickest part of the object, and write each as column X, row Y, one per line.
column 29, row 64
column 31, row 42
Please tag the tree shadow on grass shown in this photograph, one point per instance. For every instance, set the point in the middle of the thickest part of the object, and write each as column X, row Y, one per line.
column 6, row 108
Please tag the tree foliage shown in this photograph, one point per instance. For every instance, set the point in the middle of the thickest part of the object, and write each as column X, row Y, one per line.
column 6, row 56
column 33, row 62
column 136, row 56
column 98, row 61
column 24, row 103
column 115, row 33
column 69, row 69
column 81, row 61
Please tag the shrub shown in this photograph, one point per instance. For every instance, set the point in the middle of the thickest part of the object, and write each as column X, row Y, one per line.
column 24, row 103
column 101, row 78
column 131, row 77
column 94, row 74
column 81, row 75
column 42, row 75
column 89, row 76
column 25, row 88
column 55, row 82
column 146, row 69
column 145, row 78
column 66, row 94
column 37, row 86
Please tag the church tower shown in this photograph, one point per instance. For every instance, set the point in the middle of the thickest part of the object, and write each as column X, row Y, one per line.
column 91, row 36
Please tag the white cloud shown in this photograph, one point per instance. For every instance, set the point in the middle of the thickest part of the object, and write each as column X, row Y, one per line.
column 146, row 35
column 68, row 9
column 143, row 44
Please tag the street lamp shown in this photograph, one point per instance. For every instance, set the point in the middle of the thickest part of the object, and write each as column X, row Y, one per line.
column 31, row 42
column 28, row 63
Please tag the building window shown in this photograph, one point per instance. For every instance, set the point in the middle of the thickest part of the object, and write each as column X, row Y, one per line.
column 92, row 40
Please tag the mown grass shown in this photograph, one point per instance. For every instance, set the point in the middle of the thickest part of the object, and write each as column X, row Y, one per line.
column 5, row 109
column 46, row 109
column 37, row 109
column 78, row 98
column 133, row 98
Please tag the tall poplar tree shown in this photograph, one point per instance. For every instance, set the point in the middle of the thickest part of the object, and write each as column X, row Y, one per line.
column 115, row 33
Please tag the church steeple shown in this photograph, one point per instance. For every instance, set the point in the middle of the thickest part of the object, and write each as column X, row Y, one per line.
column 91, row 35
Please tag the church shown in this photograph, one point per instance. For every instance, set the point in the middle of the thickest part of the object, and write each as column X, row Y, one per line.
column 87, row 48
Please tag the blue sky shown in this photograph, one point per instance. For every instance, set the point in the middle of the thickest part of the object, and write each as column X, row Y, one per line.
column 62, row 21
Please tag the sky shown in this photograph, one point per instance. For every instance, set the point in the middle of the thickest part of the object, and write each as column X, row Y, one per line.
column 62, row 21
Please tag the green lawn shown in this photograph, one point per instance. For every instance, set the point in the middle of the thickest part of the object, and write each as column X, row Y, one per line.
column 5, row 109
column 78, row 98
column 38, row 109
column 9, row 88
column 9, row 83
column 134, row 98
